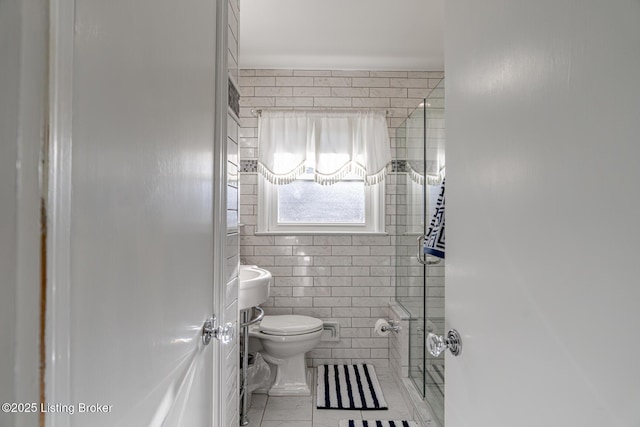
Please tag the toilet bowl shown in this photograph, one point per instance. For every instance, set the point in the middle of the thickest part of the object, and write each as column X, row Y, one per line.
column 285, row 340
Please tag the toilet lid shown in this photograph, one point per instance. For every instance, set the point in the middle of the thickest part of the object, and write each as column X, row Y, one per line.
column 289, row 325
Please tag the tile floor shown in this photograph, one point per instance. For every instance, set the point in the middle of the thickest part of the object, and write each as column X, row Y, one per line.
column 301, row 411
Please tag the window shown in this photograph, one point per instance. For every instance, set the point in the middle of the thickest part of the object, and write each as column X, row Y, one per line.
column 304, row 206
column 305, row 201
column 322, row 172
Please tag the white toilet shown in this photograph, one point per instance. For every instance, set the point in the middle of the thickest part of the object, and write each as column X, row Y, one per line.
column 285, row 340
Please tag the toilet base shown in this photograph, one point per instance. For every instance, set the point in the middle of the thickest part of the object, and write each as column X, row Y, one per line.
column 291, row 390
column 291, row 376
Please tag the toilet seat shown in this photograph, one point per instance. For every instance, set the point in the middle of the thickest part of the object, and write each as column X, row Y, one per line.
column 287, row 325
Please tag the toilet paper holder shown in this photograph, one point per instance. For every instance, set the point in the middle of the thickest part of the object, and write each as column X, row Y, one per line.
column 391, row 326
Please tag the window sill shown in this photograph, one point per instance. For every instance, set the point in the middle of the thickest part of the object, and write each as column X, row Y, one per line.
column 314, row 233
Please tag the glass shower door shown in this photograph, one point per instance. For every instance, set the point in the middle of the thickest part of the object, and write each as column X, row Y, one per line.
column 420, row 279
column 434, row 280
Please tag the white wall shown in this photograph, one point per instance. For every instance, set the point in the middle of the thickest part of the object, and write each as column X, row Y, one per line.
column 22, row 96
column 543, row 132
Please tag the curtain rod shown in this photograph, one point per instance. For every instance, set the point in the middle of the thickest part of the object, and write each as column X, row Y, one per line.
column 258, row 112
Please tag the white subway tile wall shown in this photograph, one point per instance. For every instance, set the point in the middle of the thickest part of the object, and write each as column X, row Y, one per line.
column 233, row 37
column 346, row 278
column 230, row 353
column 399, row 342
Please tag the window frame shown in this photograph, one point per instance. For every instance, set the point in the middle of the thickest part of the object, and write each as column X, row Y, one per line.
column 267, row 220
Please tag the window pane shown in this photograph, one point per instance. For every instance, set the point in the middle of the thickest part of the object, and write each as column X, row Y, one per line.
column 309, row 202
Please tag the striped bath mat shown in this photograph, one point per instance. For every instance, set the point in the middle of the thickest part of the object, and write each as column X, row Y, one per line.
column 377, row 423
column 349, row 387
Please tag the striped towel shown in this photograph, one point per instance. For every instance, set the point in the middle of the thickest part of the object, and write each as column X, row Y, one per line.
column 434, row 241
column 377, row 423
column 349, row 387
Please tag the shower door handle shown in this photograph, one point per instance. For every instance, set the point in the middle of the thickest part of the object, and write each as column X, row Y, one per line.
column 421, row 256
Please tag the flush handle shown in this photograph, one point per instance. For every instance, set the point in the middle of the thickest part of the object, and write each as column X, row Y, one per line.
column 436, row 344
column 224, row 333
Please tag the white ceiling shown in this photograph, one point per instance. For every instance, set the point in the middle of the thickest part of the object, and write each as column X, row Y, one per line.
column 342, row 34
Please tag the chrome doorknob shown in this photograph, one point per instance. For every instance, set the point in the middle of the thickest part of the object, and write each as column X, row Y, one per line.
column 224, row 333
column 436, row 344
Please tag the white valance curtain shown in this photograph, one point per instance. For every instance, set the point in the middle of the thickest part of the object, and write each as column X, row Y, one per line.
column 419, row 177
column 336, row 143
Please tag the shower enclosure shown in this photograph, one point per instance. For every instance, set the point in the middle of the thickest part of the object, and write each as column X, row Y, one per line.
column 420, row 280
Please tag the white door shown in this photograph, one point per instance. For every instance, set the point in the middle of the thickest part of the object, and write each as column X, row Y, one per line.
column 543, row 212
column 140, row 83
